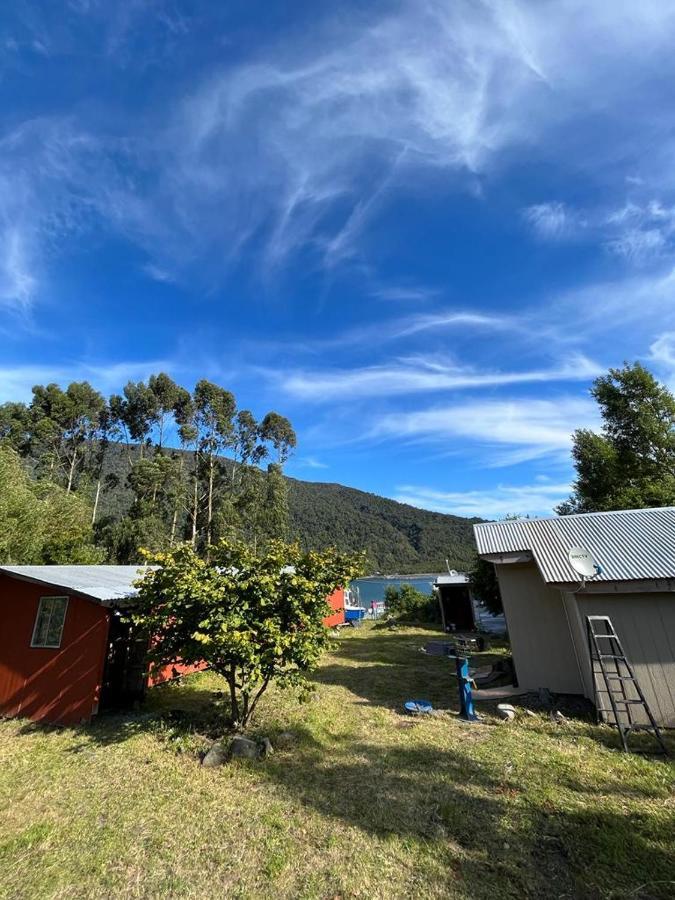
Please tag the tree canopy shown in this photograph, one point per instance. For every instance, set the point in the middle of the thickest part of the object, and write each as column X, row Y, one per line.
column 40, row 523
column 251, row 617
column 630, row 464
column 68, row 437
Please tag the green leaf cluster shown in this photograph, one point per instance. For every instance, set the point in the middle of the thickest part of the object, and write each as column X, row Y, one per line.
column 410, row 605
column 40, row 523
column 630, row 464
column 251, row 617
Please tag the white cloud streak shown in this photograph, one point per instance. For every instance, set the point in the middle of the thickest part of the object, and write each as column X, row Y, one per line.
column 539, row 499
column 16, row 382
column 506, row 432
column 418, row 375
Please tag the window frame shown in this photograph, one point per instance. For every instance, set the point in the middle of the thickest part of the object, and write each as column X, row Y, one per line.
column 40, row 608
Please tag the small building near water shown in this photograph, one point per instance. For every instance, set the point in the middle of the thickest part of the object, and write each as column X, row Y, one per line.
column 460, row 609
column 546, row 602
column 66, row 652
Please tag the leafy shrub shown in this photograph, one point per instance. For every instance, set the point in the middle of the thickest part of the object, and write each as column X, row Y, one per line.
column 410, row 605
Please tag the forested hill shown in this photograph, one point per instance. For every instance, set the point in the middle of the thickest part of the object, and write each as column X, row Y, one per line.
column 397, row 537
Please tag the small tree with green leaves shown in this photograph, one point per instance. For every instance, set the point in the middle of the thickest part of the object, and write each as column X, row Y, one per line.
column 410, row 605
column 251, row 618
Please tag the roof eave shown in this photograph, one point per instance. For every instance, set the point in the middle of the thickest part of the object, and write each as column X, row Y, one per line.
column 515, row 556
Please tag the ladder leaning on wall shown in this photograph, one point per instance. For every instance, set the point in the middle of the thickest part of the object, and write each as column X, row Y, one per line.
column 610, row 666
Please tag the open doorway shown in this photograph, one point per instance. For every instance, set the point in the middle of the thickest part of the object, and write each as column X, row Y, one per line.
column 456, row 607
column 124, row 674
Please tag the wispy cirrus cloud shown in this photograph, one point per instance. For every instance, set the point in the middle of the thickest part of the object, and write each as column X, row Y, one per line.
column 553, row 221
column 17, row 381
column 309, row 462
column 404, row 293
column 639, row 232
column 504, row 432
column 279, row 152
column 538, row 499
column 419, row 375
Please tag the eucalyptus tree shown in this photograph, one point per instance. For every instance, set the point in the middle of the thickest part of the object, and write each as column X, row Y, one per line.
column 135, row 412
column 185, row 413
column 277, row 430
column 168, row 396
column 214, row 411
column 64, row 424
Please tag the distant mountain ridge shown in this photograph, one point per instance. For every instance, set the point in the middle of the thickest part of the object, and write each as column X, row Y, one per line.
column 397, row 538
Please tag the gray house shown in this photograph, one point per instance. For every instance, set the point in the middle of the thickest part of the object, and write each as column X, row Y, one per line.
column 545, row 602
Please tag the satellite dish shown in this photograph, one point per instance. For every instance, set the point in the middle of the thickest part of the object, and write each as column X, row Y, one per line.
column 582, row 562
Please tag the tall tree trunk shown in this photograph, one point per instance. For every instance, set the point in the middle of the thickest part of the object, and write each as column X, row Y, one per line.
column 195, row 509
column 71, row 472
column 179, row 494
column 209, row 512
column 96, row 498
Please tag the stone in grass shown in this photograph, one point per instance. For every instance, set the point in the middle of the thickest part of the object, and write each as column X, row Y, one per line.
column 244, row 748
column 217, row 755
column 506, row 711
column 285, row 739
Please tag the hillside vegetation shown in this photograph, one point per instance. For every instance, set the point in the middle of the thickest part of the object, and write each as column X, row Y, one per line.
column 160, row 464
column 395, row 536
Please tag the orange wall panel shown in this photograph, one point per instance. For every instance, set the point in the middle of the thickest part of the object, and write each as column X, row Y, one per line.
column 60, row 686
column 336, row 601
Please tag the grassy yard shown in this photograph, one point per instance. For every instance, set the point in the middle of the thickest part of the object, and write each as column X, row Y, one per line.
column 365, row 802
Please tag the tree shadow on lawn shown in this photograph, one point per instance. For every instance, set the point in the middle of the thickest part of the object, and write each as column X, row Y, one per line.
column 177, row 709
column 386, row 668
column 481, row 828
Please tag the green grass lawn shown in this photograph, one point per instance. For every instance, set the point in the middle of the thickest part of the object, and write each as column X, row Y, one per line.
column 366, row 802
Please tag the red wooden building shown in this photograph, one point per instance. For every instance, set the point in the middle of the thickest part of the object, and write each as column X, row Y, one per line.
column 65, row 651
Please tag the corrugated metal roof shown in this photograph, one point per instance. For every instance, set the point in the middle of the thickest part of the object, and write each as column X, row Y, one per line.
column 103, row 583
column 629, row 545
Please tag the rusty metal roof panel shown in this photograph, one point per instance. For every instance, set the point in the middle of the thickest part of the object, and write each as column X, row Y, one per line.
column 629, row 545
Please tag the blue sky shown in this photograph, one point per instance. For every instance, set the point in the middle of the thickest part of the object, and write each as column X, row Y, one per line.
column 417, row 229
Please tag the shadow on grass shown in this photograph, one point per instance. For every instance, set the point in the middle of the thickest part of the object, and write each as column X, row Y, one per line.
column 175, row 710
column 482, row 828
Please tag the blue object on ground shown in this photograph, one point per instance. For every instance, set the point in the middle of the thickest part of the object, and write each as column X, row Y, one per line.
column 354, row 613
column 418, row 706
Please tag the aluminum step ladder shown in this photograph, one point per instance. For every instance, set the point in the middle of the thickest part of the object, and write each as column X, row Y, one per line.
column 609, row 663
